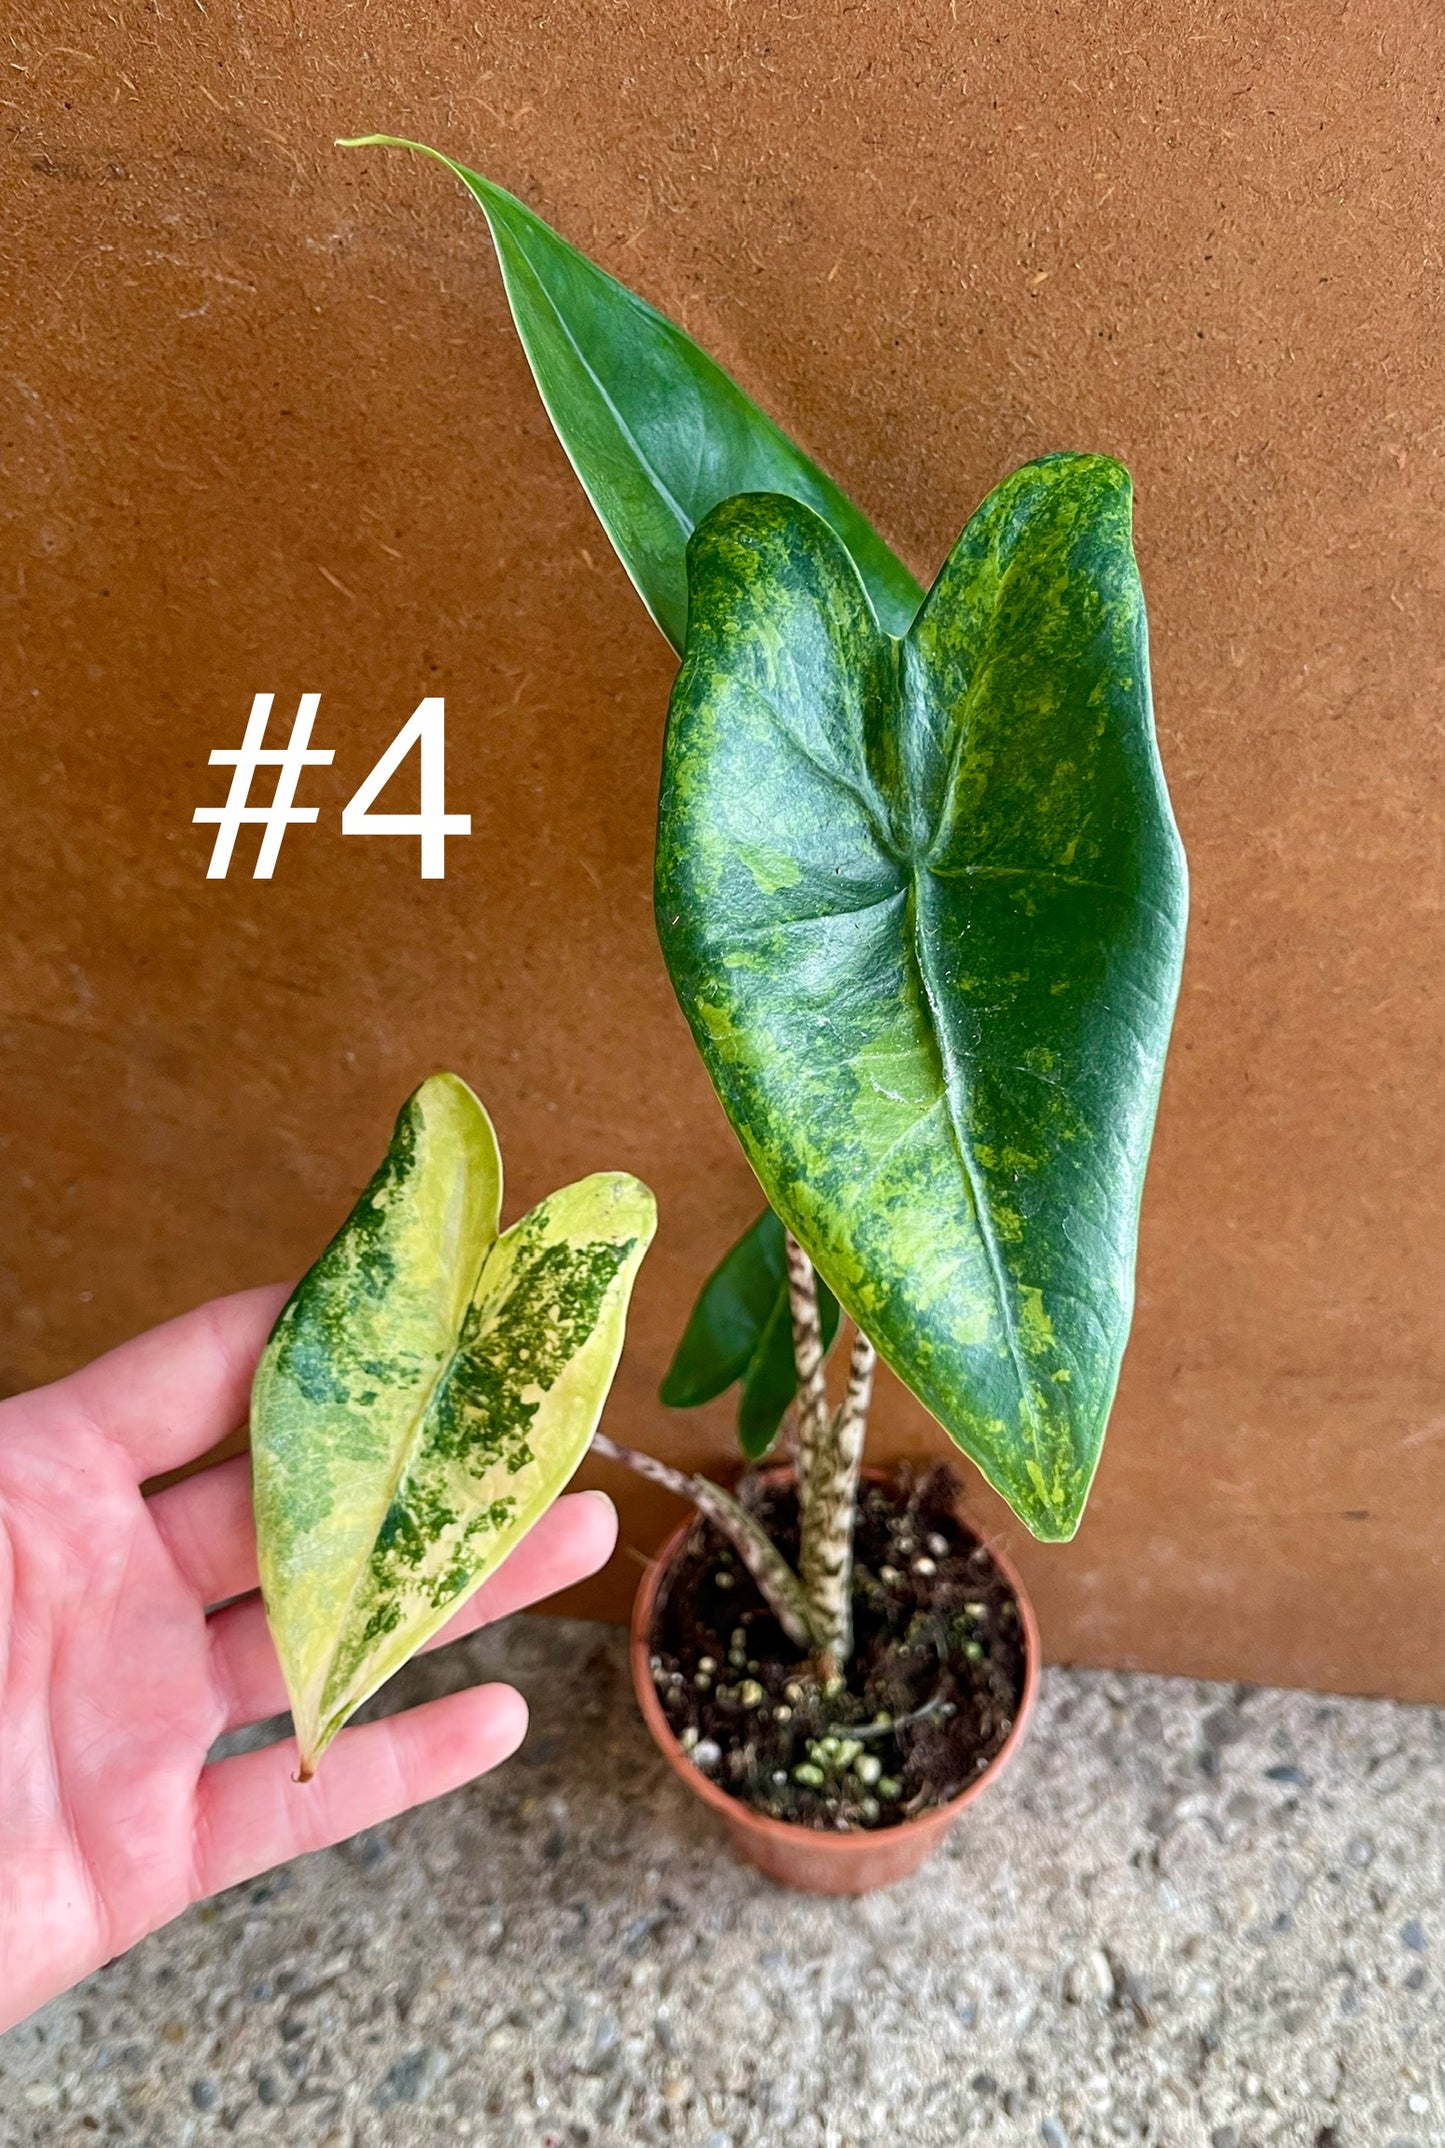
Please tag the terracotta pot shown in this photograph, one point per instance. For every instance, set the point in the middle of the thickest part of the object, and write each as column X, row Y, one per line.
column 806, row 1857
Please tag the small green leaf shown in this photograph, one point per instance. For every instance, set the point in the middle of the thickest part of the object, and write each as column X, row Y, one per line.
column 655, row 430
column 425, row 1395
column 923, row 905
column 741, row 1329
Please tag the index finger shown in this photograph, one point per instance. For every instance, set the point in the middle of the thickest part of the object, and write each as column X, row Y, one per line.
column 170, row 1394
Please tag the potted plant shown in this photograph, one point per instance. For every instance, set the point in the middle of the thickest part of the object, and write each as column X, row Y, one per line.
column 921, row 896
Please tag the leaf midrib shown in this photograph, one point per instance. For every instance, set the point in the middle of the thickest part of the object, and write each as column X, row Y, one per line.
column 973, row 1176
column 405, row 1451
column 954, row 1075
column 685, row 521
column 913, row 866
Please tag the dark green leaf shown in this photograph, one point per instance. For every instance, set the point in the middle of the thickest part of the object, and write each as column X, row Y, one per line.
column 656, row 431
column 923, row 905
column 741, row 1329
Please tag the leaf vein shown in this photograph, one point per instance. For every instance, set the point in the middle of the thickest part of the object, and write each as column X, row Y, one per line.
column 833, row 777
column 1022, row 872
column 684, row 520
column 974, row 1179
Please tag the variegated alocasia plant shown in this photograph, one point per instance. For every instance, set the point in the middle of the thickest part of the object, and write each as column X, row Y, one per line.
column 427, row 1392
column 922, row 900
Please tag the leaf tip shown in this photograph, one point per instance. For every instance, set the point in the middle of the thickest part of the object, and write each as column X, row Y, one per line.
column 312, row 1740
column 1054, row 1528
column 391, row 141
column 1050, row 1521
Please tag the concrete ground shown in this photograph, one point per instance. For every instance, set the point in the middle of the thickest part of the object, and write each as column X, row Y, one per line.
column 1191, row 1915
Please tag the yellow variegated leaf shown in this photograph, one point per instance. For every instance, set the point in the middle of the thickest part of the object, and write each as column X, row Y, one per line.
column 427, row 1392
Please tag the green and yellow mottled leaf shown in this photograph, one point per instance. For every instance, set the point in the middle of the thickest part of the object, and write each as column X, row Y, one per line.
column 923, row 905
column 426, row 1393
column 741, row 1329
column 655, row 429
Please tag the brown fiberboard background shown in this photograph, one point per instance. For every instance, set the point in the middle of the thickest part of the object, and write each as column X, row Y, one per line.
column 266, row 427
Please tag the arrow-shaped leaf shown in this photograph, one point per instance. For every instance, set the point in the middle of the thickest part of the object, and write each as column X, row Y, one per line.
column 426, row 1394
column 656, row 431
column 741, row 1328
column 923, row 904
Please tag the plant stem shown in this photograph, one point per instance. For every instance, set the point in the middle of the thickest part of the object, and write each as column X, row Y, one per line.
column 826, row 1560
column 780, row 1586
column 830, row 1450
column 812, row 1404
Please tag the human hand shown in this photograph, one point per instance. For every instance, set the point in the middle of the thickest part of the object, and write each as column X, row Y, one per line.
column 116, row 1678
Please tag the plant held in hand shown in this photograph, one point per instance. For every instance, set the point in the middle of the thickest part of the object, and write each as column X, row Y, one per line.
column 429, row 1388
column 922, row 900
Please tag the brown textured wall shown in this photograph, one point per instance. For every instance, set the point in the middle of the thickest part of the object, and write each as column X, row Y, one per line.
column 265, row 425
